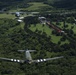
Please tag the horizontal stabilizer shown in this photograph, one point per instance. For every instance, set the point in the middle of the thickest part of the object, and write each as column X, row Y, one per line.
column 26, row 50
column 21, row 50
column 27, row 54
column 31, row 50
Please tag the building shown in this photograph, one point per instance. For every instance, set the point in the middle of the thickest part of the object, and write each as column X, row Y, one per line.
column 42, row 20
column 17, row 14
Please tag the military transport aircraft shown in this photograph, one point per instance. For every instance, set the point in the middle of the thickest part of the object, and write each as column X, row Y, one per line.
column 29, row 58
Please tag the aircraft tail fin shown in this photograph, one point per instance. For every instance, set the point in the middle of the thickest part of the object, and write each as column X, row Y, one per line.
column 27, row 54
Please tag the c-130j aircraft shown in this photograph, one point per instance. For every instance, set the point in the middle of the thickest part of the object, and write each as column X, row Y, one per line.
column 29, row 58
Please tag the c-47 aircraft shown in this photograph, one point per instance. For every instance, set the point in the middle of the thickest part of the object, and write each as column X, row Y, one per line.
column 29, row 58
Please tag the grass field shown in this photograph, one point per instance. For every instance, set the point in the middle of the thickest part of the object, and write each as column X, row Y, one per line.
column 48, row 31
column 22, row 25
column 7, row 16
column 69, row 26
column 41, row 28
column 74, row 29
column 36, row 6
column 12, row 16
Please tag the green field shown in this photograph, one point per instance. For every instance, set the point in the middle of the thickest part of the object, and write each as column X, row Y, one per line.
column 36, row 6
column 69, row 26
column 48, row 31
column 74, row 29
column 41, row 28
column 10, row 16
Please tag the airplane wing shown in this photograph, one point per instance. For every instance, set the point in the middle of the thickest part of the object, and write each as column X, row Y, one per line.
column 12, row 60
column 43, row 60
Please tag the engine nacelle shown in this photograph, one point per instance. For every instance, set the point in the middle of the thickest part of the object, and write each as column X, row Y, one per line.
column 15, row 60
column 41, row 60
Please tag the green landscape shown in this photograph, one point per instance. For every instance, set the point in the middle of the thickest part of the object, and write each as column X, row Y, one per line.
column 47, row 26
column 36, row 6
column 48, row 31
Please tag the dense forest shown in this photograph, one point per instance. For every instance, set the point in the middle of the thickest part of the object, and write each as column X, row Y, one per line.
column 71, row 4
column 13, row 38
